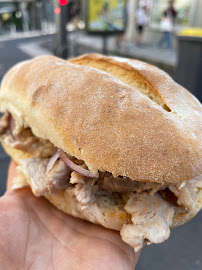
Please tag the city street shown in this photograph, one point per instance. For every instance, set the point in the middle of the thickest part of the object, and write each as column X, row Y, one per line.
column 183, row 251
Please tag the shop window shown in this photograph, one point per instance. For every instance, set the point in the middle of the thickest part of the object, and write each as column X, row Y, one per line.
column 182, row 7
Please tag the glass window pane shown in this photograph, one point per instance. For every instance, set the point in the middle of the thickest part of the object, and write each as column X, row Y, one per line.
column 183, row 8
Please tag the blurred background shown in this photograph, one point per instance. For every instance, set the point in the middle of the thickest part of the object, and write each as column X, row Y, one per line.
column 165, row 33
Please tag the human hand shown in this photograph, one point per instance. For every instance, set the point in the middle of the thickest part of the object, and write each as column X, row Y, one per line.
column 36, row 235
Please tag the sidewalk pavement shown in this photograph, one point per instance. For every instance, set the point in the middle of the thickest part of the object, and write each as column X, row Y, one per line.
column 81, row 42
column 163, row 58
column 23, row 35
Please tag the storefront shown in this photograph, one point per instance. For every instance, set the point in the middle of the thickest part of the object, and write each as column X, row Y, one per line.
column 183, row 12
column 10, row 16
column 25, row 15
column 188, row 14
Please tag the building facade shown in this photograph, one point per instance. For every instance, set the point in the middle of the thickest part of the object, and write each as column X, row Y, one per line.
column 188, row 15
column 25, row 15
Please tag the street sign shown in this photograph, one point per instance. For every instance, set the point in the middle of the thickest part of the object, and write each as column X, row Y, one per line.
column 60, row 42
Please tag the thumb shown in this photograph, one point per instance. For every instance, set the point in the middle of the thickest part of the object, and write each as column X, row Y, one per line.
column 12, row 173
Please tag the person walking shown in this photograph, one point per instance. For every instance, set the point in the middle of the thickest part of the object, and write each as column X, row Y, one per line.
column 166, row 27
column 171, row 11
column 141, row 21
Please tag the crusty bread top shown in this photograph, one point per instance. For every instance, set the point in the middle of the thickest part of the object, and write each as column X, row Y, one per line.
column 104, row 121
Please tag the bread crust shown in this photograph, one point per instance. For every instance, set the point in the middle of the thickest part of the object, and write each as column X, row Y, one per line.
column 110, row 125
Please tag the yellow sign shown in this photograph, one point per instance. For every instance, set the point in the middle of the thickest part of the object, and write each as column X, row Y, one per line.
column 194, row 32
column 106, row 15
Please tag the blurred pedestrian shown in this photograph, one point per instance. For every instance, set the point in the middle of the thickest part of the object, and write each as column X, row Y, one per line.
column 75, row 14
column 25, row 15
column 141, row 21
column 166, row 27
column 171, row 12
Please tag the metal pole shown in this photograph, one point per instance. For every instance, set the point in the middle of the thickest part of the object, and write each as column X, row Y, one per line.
column 61, row 45
column 104, row 44
column 130, row 32
column 64, row 48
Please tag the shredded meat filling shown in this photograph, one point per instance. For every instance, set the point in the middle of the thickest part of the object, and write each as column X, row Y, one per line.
column 151, row 217
column 24, row 140
column 58, row 177
column 120, row 184
column 84, row 189
column 4, row 123
column 151, row 214
column 34, row 170
column 85, row 193
column 186, row 192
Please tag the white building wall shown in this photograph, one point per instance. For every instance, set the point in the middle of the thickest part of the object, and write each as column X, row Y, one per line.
column 196, row 14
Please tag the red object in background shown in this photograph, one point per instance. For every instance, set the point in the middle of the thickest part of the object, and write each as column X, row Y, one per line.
column 63, row 2
column 57, row 10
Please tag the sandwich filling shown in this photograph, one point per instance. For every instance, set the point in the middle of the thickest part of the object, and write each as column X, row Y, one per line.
column 151, row 206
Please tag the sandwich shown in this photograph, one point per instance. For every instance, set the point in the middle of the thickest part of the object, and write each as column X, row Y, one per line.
column 106, row 139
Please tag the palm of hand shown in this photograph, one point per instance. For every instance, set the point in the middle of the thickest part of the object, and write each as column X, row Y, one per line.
column 35, row 235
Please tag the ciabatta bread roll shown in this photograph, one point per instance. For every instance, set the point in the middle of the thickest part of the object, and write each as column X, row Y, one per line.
column 110, row 140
